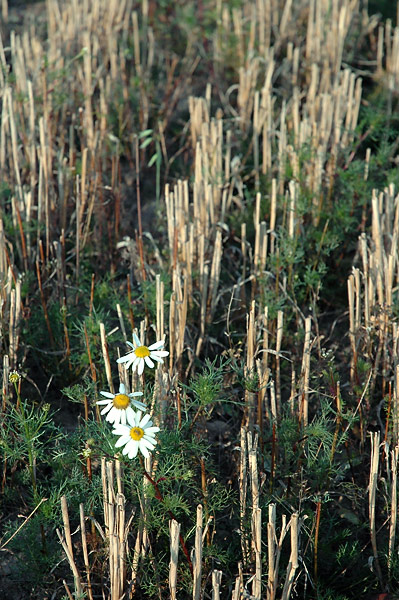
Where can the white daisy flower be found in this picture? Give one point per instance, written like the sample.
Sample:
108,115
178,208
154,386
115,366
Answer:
139,434
119,406
141,355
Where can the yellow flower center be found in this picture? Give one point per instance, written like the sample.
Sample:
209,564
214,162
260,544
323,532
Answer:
136,433
142,351
121,401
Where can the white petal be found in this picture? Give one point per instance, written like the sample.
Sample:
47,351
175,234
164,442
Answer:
127,447
144,450
123,417
131,419
106,409
155,353
139,405
129,362
124,439
128,413
154,357
147,443
112,416
136,362
149,362
122,389
133,449
135,394
131,345
121,430
104,402
151,430
156,346
133,360
107,394
140,367
145,420
136,340
124,359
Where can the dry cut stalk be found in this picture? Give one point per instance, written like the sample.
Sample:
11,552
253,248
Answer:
66,542
104,348
251,397
85,552
293,563
257,547
395,411
375,449
243,494
274,550
279,337
6,371
216,581
174,532
197,556
394,505
305,373
117,530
